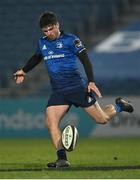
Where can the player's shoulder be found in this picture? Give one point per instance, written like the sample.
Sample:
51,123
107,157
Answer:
70,35
43,38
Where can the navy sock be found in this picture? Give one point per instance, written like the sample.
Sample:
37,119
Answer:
61,154
118,108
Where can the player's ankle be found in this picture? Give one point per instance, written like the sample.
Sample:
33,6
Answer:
61,154
118,108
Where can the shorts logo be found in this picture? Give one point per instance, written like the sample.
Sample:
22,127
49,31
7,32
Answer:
59,45
89,99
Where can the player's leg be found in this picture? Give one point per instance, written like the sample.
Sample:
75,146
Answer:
106,114
54,114
101,116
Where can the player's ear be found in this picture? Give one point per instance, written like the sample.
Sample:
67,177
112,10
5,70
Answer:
57,24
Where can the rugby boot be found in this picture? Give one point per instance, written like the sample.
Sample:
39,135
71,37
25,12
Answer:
125,105
60,163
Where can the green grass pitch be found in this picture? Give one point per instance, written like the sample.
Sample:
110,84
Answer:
109,158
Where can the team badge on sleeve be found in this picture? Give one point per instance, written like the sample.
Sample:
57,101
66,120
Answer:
77,43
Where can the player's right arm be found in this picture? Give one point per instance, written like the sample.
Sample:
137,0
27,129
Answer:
19,75
80,51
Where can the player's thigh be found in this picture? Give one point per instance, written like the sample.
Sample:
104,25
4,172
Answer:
96,112
55,113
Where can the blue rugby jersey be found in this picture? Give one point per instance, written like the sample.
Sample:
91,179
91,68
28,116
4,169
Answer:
60,60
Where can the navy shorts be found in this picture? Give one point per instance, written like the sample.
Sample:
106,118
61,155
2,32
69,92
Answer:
78,98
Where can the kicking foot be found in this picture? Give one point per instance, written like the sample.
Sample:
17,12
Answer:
59,163
125,105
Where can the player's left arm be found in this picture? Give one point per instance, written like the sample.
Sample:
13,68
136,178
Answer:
83,57
34,60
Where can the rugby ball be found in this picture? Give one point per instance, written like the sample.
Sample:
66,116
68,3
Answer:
69,137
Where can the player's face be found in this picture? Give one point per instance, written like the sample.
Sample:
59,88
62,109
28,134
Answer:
52,31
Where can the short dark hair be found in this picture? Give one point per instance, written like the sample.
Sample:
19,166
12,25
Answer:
47,18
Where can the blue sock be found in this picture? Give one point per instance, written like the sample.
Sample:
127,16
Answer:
61,154
118,108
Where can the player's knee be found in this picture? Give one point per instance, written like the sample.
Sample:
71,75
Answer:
48,124
51,126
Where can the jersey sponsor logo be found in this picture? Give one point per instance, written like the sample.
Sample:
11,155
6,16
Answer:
54,56
44,47
59,45
77,43
50,52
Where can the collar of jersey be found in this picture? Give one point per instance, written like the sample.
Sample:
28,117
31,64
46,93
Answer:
61,34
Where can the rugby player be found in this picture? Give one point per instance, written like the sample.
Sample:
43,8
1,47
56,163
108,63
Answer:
61,52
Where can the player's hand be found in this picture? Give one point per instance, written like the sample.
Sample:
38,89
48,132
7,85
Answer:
19,76
92,87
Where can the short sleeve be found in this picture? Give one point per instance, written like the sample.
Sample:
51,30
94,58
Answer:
76,44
